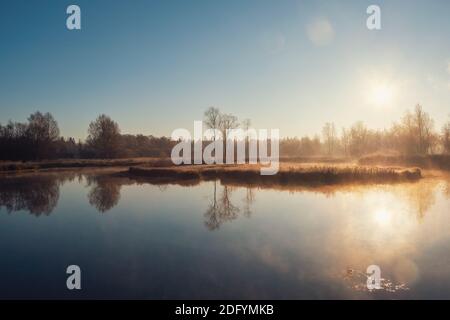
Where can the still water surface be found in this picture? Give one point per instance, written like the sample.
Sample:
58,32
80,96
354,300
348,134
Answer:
209,240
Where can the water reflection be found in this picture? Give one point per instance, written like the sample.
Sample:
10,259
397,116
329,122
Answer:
39,194
304,242
220,209
421,197
104,193
357,280
248,201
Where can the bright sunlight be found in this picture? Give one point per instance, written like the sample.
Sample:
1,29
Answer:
382,95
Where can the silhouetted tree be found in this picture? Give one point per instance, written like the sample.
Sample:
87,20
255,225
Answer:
44,132
104,137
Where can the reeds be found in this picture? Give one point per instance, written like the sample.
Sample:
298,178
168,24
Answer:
82,163
287,175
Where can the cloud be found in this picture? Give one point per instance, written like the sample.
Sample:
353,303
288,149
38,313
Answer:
320,31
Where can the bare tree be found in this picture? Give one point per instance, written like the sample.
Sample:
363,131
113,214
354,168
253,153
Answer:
104,137
246,124
329,137
212,118
358,138
424,127
415,133
227,122
446,138
345,141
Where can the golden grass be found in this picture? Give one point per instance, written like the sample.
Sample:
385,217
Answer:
13,166
288,174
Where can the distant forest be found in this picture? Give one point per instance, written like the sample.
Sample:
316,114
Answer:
39,139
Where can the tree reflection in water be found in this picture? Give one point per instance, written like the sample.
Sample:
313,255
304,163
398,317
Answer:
221,209
248,201
38,194
105,192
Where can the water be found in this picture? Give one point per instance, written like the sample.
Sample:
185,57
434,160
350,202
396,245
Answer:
142,240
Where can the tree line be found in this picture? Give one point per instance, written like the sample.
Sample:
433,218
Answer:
39,138
414,134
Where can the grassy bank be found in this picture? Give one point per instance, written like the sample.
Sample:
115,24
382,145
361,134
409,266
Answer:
287,175
9,166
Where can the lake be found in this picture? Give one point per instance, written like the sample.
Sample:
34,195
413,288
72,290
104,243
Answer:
149,240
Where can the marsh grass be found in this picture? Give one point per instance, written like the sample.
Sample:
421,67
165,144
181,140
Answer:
288,174
10,166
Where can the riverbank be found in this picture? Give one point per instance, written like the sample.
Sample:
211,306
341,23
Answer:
24,166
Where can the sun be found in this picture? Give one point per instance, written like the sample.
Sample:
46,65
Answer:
383,217
381,95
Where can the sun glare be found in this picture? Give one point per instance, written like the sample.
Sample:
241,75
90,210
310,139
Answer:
382,95
382,217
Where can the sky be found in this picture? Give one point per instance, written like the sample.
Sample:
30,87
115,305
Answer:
155,66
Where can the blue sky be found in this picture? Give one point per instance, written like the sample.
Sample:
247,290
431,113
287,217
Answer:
154,66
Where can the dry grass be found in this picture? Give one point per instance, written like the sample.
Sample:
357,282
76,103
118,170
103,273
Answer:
289,174
13,166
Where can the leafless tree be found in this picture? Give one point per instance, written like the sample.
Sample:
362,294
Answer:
329,137
246,124
446,137
212,118
424,127
227,122
358,138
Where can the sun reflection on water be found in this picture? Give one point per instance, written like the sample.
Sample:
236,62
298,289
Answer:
383,217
